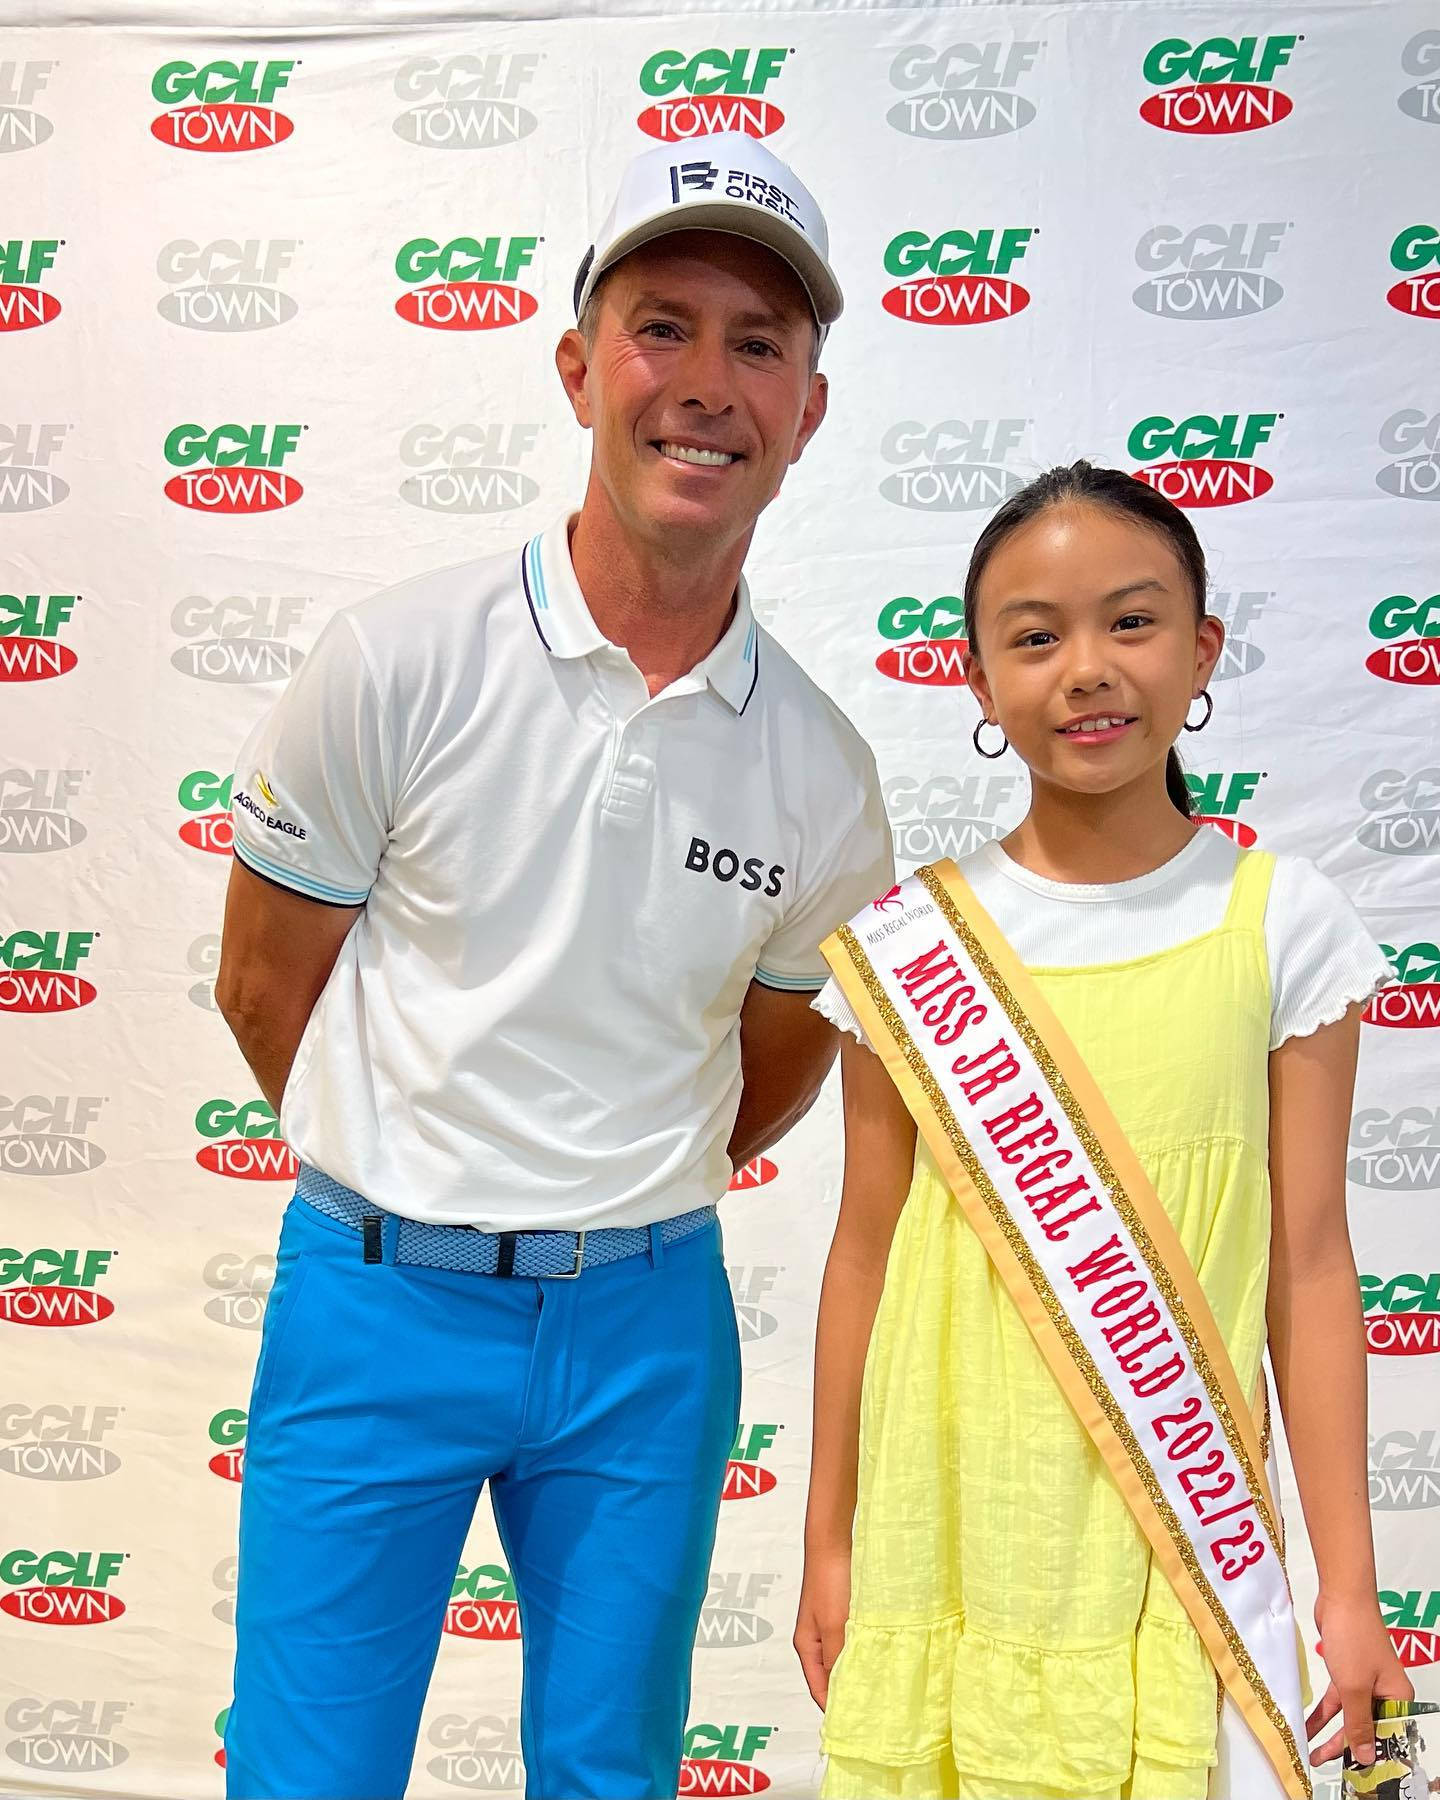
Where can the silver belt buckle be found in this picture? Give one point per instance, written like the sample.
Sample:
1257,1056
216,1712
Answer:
572,1274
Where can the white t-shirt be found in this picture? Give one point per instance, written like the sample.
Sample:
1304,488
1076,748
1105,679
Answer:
1322,959
568,887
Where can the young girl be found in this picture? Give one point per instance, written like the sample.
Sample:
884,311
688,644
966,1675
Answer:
1007,1629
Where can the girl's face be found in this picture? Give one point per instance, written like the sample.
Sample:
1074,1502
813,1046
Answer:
1088,651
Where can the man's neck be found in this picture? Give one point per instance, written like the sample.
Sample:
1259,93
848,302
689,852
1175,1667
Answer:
666,607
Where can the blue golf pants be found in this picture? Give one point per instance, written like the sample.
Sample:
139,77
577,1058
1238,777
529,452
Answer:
601,1412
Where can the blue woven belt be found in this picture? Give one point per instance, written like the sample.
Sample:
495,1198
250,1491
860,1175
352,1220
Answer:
529,1253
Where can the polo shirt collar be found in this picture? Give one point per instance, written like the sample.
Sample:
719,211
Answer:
566,628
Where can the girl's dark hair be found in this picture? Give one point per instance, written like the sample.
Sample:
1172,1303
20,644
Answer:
1117,492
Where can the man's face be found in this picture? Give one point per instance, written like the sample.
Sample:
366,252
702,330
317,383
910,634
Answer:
698,385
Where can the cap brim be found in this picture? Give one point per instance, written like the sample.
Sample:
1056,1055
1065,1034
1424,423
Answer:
734,219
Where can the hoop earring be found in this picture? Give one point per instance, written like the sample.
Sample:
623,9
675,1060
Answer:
1209,700
989,755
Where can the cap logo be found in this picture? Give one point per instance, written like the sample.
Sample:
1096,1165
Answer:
740,184
698,175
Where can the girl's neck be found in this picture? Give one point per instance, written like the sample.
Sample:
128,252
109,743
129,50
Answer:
1099,838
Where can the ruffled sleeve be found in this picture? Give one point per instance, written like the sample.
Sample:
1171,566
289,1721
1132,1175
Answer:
1322,958
833,1005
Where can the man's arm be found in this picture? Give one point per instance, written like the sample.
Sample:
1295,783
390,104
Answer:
276,955
786,1049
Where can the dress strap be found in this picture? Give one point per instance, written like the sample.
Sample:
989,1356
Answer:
1250,890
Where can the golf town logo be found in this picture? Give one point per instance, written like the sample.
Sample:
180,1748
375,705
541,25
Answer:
955,466
1409,630
226,285
1413,1003
73,1736
745,1476
1408,435
24,304
57,1443
1404,812
712,90
61,1587
21,127
1397,1153
963,91
731,1618
1209,272
470,284
1240,608
206,796
958,277
221,106
720,1760
226,1578
465,102
203,957
27,482
29,630
480,1752
37,970
1412,1619
238,467
750,1284
49,1134
53,1287
244,1142
1415,252
222,1718
923,644
1218,85
760,1171
1402,1314
1421,56
1218,798
35,810
946,815
469,468
1208,461
1404,1471
241,1288
482,1604
242,639
227,1430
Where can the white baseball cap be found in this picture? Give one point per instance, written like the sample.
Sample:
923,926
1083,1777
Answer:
728,182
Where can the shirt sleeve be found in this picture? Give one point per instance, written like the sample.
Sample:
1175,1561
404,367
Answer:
831,1004
860,865
314,785
1322,958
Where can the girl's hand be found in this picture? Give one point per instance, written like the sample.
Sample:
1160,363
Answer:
1363,1668
824,1608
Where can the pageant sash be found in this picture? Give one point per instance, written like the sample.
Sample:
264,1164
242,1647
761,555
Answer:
1044,1174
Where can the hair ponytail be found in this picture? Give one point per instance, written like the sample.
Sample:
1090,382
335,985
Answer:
1175,784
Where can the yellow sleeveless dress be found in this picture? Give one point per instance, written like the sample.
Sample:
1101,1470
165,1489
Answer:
1009,1637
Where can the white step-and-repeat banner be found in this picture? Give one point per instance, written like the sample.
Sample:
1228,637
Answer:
276,320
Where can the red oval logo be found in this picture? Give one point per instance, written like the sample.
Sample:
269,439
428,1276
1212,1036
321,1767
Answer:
1237,831
1403,1334
1417,296
1414,1649
1414,661
1413,1007
214,832
746,1481
494,1621
62,1606
672,121
250,1159
753,1174
1207,481
925,662
467,306
23,308
225,126
229,1465
233,490
58,1306
707,1775
956,300
40,991
1216,108
34,659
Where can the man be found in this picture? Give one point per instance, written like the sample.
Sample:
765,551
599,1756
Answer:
532,863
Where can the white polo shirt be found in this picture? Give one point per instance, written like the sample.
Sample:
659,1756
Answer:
568,888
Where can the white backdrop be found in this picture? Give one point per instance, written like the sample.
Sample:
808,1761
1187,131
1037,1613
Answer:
1198,241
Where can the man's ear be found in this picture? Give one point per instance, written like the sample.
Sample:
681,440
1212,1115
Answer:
572,359
817,402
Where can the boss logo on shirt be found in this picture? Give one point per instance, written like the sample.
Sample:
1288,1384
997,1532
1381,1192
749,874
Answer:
725,865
